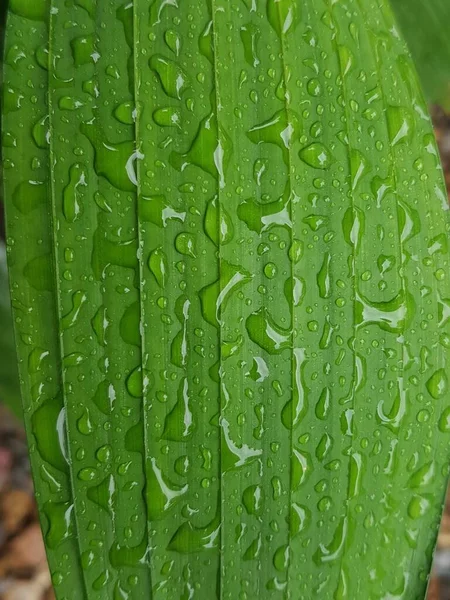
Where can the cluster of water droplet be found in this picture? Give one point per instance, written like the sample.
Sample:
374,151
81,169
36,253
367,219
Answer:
229,264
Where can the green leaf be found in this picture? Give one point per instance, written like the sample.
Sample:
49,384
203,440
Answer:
231,299
425,27
9,376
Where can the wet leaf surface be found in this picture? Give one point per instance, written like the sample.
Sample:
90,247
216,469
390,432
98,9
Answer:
227,234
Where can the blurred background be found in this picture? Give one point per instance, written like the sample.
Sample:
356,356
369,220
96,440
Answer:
23,569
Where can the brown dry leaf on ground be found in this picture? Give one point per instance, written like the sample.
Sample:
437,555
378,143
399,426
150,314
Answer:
24,573
29,590
441,122
49,595
24,553
16,507
433,590
444,534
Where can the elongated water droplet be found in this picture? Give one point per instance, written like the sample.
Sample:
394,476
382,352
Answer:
173,78
250,35
73,193
173,41
159,266
283,15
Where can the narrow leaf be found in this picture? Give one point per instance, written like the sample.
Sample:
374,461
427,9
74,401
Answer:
425,27
9,376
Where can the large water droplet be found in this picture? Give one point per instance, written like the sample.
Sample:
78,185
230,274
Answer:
316,155
173,78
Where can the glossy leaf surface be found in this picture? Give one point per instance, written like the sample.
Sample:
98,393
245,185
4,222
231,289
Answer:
9,376
228,240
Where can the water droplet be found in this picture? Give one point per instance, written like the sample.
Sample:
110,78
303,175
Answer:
69,319
159,265
301,468
346,59
444,420
214,297
74,359
218,224
185,243
314,88
105,397
167,117
316,155
250,35
333,551
60,516
179,422
296,250
28,195
400,124
205,42
437,385
37,10
180,347
41,132
69,103
261,217
282,129
394,315
188,538
84,423
73,193
113,161
324,447
385,263
266,333
210,150
173,41
316,222
323,404
138,382
173,78
126,113
157,210
162,493
130,329
419,506
270,270
84,50
104,494
423,476
253,500
359,167
12,99
88,5
283,15
324,277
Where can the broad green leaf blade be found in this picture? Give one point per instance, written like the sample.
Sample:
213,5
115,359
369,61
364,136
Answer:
9,376
425,27
27,199
241,313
